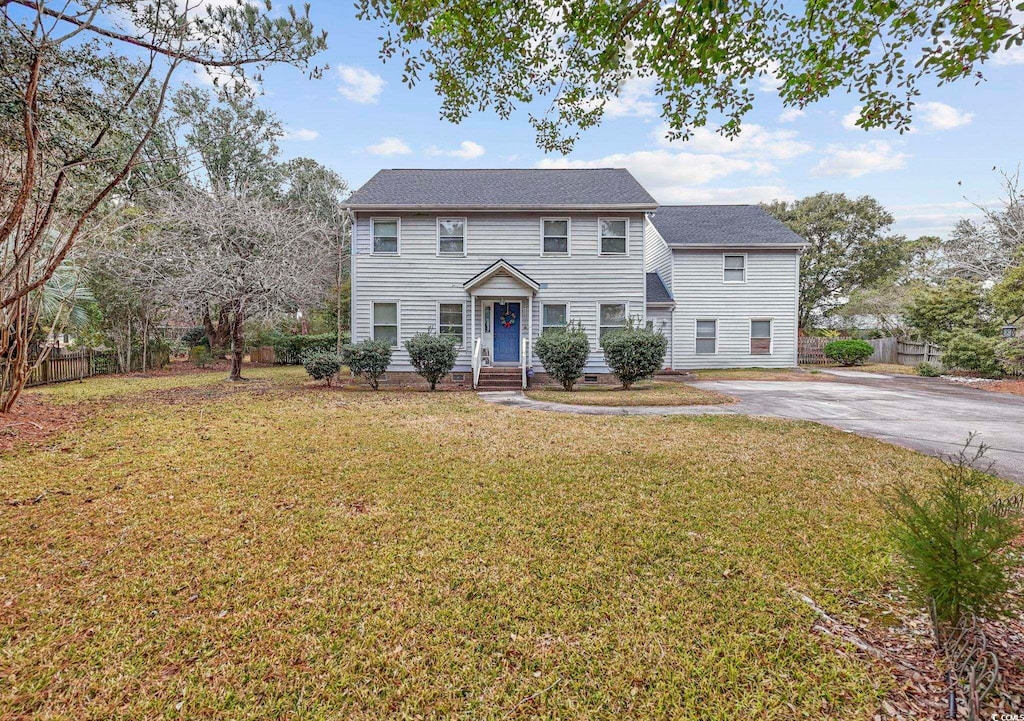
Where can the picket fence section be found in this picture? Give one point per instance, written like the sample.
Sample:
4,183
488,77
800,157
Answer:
63,366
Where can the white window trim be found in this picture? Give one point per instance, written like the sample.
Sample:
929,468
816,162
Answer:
568,238
600,250
398,319
718,328
734,282
568,312
465,236
771,335
398,244
437,316
597,318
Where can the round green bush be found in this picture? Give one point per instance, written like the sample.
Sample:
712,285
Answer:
369,358
928,370
433,356
634,353
1010,355
563,353
322,365
199,355
848,352
970,351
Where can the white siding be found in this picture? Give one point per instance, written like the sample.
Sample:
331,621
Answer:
657,256
770,292
420,279
661,320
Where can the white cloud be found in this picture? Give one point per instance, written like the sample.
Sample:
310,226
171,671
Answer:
675,177
851,118
389,146
753,140
790,114
634,100
467,150
359,84
300,134
1010,56
940,116
222,78
853,162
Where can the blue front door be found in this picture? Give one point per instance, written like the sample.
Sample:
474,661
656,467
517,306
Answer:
507,320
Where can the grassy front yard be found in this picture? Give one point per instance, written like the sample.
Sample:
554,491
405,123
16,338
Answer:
275,548
665,393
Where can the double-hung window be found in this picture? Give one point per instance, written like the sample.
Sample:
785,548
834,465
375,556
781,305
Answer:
555,236
451,320
611,316
613,236
707,337
385,235
451,236
735,268
554,316
385,323
761,337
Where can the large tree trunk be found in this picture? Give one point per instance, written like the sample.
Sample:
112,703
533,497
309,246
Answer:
237,345
219,335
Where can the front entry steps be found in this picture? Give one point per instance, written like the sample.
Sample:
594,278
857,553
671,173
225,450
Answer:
500,379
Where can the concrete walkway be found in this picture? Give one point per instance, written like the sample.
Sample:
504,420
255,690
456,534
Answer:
929,415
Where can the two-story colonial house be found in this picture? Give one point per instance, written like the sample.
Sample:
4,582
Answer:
496,257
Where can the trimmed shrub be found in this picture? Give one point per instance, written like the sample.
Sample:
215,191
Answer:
954,542
970,351
369,359
634,353
1010,355
433,356
199,355
564,353
322,365
928,370
848,352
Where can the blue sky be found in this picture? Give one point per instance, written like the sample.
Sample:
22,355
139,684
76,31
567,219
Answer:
360,118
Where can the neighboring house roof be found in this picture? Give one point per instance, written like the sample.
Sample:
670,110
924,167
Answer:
503,189
657,293
746,226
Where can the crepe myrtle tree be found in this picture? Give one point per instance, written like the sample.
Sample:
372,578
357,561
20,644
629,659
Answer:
698,62
252,255
83,88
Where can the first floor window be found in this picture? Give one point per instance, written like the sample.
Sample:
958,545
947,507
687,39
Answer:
735,268
556,315
761,337
556,237
612,316
450,320
385,235
613,237
451,236
707,336
385,322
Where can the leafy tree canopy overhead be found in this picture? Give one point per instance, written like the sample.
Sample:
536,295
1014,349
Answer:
703,56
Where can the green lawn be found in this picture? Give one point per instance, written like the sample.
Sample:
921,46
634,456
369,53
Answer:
668,393
278,549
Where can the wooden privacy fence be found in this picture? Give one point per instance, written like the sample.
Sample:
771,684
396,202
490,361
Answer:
262,354
900,351
62,366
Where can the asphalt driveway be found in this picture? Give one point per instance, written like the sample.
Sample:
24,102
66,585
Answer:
929,415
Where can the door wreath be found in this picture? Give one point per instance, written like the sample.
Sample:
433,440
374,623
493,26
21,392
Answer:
508,318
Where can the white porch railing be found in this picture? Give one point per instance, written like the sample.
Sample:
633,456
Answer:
525,358
478,360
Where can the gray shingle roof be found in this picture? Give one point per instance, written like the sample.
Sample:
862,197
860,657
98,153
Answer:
510,188
656,290
721,225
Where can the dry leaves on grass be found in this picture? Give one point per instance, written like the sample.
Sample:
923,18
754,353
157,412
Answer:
33,420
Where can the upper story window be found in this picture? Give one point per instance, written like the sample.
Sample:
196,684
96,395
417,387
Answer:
451,236
555,232
613,236
735,269
385,235
611,316
555,315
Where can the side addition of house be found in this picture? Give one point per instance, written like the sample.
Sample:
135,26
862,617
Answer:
496,257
